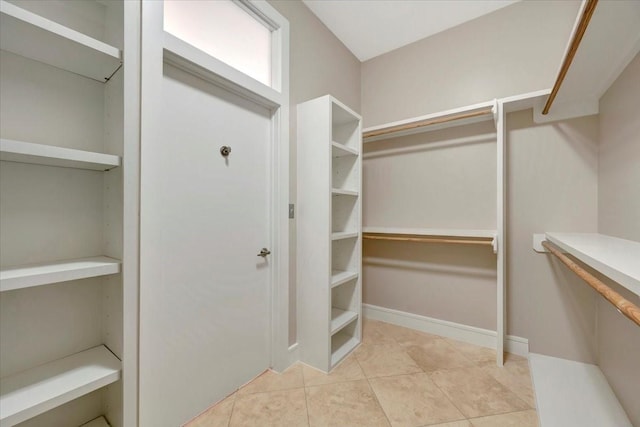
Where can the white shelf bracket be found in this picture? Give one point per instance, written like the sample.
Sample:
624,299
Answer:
494,244
494,111
537,243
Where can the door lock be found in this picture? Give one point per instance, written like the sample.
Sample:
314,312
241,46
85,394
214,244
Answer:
264,252
225,150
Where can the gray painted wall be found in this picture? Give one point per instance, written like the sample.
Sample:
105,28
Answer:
320,64
514,50
618,340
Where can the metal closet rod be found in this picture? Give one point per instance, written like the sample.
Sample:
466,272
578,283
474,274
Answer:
427,122
623,305
414,238
571,53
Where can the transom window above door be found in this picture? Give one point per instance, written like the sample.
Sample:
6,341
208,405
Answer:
225,29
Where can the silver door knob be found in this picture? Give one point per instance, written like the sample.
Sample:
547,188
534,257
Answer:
264,252
225,150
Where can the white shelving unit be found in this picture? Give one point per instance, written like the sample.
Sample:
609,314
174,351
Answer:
61,271
64,105
329,237
49,155
619,259
32,392
36,37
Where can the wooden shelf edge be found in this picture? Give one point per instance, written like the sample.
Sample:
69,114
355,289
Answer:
20,277
50,155
30,393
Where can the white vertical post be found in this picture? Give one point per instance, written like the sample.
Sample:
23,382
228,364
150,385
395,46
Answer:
501,232
131,211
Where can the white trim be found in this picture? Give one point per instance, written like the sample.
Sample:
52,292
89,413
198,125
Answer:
587,106
501,265
457,331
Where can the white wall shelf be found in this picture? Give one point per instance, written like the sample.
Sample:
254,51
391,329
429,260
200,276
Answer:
344,235
37,390
618,259
339,277
98,422
489,234
27,34
55,272
340,319
340,192
441,120
50,155
340,150
35,37
574,394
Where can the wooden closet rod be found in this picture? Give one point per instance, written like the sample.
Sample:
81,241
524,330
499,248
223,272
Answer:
427,122
427,239
573,48
625,306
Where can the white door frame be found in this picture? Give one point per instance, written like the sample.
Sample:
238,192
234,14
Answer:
158,47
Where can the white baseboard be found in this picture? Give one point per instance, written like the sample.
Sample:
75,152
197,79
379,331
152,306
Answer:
456,331
294,353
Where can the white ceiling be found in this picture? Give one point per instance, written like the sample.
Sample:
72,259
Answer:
372,27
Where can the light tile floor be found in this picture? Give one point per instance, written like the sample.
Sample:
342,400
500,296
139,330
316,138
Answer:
398,377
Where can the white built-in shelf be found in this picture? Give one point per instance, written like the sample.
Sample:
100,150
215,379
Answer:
441,120
29,393
54,272
98,422
50,155
340,192
341,318
33,36
341,344
341,150
574,394
339,277
489,234
344,235
618,259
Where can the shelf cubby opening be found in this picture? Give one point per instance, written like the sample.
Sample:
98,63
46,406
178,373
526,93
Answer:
344,213
345,173
344,254
343,342
345,128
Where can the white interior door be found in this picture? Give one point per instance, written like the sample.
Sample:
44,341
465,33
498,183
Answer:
205,293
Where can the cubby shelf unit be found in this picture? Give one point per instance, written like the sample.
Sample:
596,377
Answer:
37,390
55,272
33,36
50,155
329,237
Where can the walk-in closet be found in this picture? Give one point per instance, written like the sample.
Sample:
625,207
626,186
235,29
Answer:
310,213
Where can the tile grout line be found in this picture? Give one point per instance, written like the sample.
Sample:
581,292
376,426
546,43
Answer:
233,406
375,396
306,401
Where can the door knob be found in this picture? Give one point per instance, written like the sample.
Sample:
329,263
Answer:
264,252
225,150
